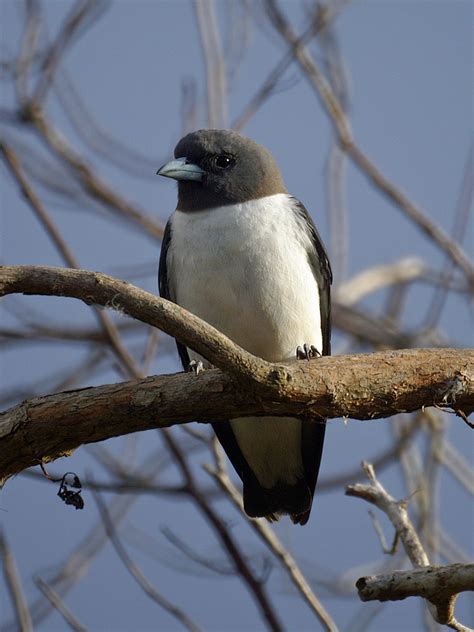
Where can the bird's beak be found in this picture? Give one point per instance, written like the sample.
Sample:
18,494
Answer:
180,169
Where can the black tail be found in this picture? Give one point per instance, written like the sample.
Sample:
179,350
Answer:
260,502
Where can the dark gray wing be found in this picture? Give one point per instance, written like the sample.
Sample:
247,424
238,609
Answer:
313,433
319,261
164,286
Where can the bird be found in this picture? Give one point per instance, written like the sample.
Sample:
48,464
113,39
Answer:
245,256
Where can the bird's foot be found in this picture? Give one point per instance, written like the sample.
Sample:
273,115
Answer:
195,366
306,352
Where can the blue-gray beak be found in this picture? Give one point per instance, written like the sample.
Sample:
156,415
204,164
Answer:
180,169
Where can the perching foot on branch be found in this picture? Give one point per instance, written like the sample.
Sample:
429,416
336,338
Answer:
306,352
195,366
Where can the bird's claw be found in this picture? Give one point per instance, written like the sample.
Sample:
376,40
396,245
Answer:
306,352
195,366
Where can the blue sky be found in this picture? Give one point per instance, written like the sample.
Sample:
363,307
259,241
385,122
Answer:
409,65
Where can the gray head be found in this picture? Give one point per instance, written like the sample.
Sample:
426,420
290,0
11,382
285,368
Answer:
217,167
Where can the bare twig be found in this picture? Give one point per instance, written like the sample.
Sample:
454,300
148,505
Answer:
272,542
376,278
39,210
27,50
323,16
439,586
72,22
457,465
56,601
406,436
137,574
91,183
461,216
228,542
12,580
397,512
336,162
342,127
214,63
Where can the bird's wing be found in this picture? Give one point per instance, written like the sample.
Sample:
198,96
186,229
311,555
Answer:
319,261
313,433
165,286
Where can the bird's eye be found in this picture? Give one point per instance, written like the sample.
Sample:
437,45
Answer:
223,161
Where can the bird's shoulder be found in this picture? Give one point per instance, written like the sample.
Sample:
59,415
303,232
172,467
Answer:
317,252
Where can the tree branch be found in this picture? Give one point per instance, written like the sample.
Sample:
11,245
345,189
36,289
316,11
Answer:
440,586
434,583
364,386
100,289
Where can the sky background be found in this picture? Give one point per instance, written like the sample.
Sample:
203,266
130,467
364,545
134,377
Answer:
410,70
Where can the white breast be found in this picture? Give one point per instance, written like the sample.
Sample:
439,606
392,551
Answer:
244,269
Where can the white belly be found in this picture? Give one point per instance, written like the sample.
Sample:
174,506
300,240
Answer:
245,270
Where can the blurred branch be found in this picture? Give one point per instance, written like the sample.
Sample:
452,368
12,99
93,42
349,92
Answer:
100,289
202,560
20,606
59,605
30,111
407,434
322,17
76,565
378,277
27,50
126,487
44,333
91,183
77,14
336,161
377,331
96,138
457,465
440,586
272,542
228,542
65,252
214,63
137,574
336,113
459,231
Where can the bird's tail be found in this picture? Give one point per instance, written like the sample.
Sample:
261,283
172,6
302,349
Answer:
295,500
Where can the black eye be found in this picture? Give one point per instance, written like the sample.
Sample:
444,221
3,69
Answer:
223,161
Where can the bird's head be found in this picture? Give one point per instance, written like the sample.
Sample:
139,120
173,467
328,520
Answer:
219,167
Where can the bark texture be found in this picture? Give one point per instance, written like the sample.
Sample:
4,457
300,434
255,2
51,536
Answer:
365,386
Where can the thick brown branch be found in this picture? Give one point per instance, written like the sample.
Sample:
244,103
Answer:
363,386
